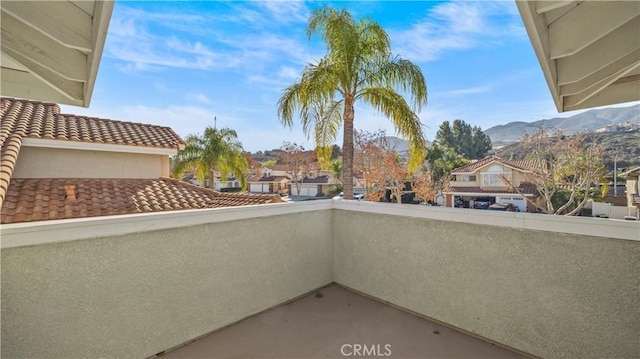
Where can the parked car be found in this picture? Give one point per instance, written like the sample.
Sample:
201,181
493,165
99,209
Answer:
356,196
482,203
509,207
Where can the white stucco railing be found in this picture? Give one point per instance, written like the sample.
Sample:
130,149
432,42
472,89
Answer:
550,286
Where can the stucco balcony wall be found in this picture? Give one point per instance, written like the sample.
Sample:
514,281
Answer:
135,285
134,295
550,294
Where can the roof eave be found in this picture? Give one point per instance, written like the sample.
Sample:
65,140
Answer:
588,50
44,57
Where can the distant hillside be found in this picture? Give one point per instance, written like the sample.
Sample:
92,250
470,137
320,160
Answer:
625,146
588,120
399,144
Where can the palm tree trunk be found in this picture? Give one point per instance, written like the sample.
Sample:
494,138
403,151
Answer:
347,149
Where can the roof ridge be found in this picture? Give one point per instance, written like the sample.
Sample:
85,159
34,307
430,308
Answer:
48,103
112,120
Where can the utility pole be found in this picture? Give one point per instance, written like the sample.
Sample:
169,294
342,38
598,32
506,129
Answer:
617,156
615,176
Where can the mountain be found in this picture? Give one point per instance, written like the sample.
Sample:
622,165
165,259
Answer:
399,144
624,147
588,120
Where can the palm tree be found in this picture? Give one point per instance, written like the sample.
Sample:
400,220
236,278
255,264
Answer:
217,150
357,66
336,168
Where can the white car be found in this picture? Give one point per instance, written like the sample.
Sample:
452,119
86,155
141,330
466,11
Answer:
356,196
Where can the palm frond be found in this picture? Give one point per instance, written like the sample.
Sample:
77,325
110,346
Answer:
407,124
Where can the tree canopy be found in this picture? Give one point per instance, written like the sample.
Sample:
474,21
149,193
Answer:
358,66
216,150
469,142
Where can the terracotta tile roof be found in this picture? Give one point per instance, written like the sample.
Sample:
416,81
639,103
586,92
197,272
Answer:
48,199
524,165
21,119
8,159
34,119
525,188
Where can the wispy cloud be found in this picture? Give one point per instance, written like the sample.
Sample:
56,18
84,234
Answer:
146,40
285,11
138,39
457,26
199,97
466,91
258,14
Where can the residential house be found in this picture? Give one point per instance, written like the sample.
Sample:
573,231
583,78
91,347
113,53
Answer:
491,179
61,166
315,186
269,180
230,184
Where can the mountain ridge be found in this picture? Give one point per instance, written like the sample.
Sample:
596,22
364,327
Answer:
584,121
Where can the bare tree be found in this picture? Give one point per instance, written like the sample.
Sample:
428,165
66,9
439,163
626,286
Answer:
424,186
293,156
379,164
563,169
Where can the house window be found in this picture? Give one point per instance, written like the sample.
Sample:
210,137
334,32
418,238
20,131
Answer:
495,177
467,178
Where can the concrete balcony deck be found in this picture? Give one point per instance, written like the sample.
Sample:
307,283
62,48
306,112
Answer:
334,322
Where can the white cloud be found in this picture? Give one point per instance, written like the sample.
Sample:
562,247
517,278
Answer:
133,38
285,11
288,72
200,97
466,91
456,26
147,41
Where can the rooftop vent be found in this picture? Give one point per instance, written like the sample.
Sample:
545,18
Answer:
70,194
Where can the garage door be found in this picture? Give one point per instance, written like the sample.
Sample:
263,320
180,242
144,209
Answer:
310,191
515,200
304,191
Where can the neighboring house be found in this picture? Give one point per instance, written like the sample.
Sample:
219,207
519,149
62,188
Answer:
484,180
633,191
269,181
317,186
60,166
231,184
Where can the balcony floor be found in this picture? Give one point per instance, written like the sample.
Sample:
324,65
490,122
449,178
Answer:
313,327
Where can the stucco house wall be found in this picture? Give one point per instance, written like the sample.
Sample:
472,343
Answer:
40,162
516,175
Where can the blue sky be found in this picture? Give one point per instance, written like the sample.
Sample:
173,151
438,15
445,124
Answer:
180,64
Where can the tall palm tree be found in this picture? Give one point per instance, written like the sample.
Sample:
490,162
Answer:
358,66
216,150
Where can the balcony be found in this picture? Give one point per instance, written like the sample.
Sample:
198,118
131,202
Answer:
139,285
495,179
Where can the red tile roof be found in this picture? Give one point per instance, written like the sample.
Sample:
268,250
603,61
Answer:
52,198
525,188
21,119
523,165
34,119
